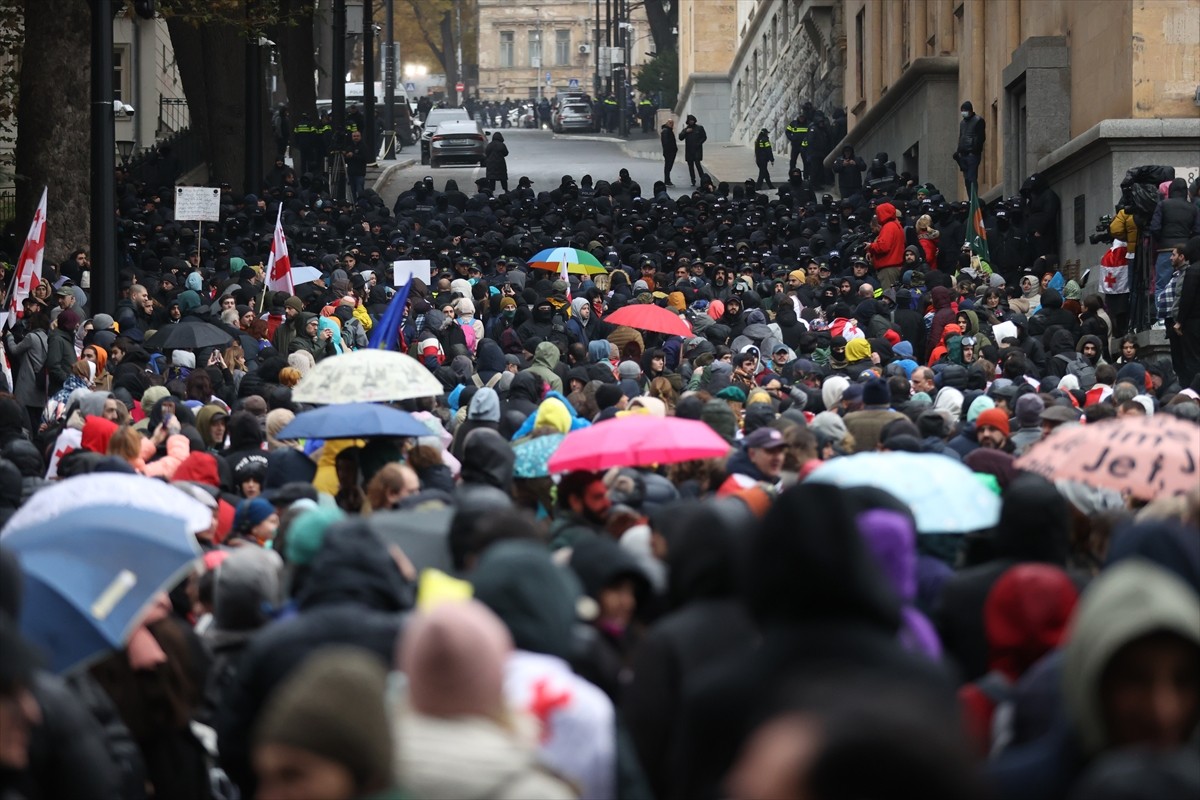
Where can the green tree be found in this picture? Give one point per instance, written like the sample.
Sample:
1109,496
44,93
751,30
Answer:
660,77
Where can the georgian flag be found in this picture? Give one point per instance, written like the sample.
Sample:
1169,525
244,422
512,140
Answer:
279,265
566,278
29,265
1114,267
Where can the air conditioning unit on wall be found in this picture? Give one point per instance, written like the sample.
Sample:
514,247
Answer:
584,49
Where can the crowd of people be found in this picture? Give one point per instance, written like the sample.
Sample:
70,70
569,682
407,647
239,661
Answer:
721,627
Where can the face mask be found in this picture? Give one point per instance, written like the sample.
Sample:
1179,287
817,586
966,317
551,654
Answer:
509,313
965,114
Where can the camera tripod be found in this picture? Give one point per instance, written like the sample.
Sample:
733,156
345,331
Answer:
337,175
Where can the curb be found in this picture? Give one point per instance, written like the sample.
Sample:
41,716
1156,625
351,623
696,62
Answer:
390,169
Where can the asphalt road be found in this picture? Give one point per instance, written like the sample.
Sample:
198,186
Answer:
544,158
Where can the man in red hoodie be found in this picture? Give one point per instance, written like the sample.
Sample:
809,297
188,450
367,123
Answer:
887,251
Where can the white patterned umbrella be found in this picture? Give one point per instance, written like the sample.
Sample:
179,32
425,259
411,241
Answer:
366,376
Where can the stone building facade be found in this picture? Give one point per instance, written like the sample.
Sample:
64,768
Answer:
1078,90
750,64
511,35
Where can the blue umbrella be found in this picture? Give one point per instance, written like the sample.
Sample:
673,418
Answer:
89,575
533,454
352,421
944,495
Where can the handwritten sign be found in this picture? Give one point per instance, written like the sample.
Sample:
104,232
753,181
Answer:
200,203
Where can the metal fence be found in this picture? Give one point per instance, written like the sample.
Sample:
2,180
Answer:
158,167
8,207
173,115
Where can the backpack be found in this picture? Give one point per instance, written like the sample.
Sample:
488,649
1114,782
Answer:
1078,366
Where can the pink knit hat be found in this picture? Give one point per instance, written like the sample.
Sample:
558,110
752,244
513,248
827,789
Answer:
454,658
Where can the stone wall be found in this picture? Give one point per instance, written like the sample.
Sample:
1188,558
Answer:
807,66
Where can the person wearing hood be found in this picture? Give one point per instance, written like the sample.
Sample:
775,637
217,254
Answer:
537,601
495,161
310,337
1025,617
579,323
892,542
1034,522
1052,313
706,623
1129,682
482,412
826,615
545,359
353,595
1175,221
456,735
487,459
887,250
943,315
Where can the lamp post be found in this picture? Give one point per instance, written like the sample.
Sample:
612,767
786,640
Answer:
125,150
537,67
103,216
338,93
368,50
389,81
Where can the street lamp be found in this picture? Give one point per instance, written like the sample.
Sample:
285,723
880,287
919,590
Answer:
125,150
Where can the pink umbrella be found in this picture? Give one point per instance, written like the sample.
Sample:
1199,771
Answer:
637,440
649,317
1146,457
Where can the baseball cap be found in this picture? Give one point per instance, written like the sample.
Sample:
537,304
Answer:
764,439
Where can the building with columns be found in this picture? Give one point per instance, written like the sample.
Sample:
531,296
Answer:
520,44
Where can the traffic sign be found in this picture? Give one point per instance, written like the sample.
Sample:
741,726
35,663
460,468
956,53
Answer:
573,83
548,81
410,87
458,87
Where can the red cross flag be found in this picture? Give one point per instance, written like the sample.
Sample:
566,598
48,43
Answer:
279,265
566,278
29,265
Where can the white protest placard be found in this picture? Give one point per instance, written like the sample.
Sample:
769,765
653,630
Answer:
200,203
1004,330
403,271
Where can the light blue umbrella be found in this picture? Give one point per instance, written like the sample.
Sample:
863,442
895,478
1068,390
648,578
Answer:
944,495
533,454
89,575
352,421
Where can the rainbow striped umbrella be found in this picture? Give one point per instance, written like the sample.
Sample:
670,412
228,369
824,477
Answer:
579,262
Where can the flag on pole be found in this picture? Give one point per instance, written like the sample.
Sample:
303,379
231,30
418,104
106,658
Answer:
977,233
386,335
279,265
29,265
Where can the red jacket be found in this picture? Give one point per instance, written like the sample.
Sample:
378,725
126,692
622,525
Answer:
888,248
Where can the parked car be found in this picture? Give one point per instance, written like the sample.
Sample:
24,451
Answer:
436,117
573,117
457,140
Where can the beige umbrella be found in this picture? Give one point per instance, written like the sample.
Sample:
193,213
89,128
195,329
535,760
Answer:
366,376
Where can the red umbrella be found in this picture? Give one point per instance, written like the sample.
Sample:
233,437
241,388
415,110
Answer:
649,317
636,440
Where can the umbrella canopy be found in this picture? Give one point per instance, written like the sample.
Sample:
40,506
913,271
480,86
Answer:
189,334
579,262
944,495
352,421
109,489
533,454
89,575
423,535
1145,457
302,275
636,440
649,317
366,376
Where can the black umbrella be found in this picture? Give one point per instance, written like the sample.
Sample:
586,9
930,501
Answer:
188,335
423,535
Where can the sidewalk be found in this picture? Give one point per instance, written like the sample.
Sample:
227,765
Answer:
724,161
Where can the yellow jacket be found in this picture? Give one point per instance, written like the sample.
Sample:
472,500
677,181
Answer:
1124,228
360,313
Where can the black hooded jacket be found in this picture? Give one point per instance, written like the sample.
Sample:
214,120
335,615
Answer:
825,612
353,595
1033,527
708,622
488,458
